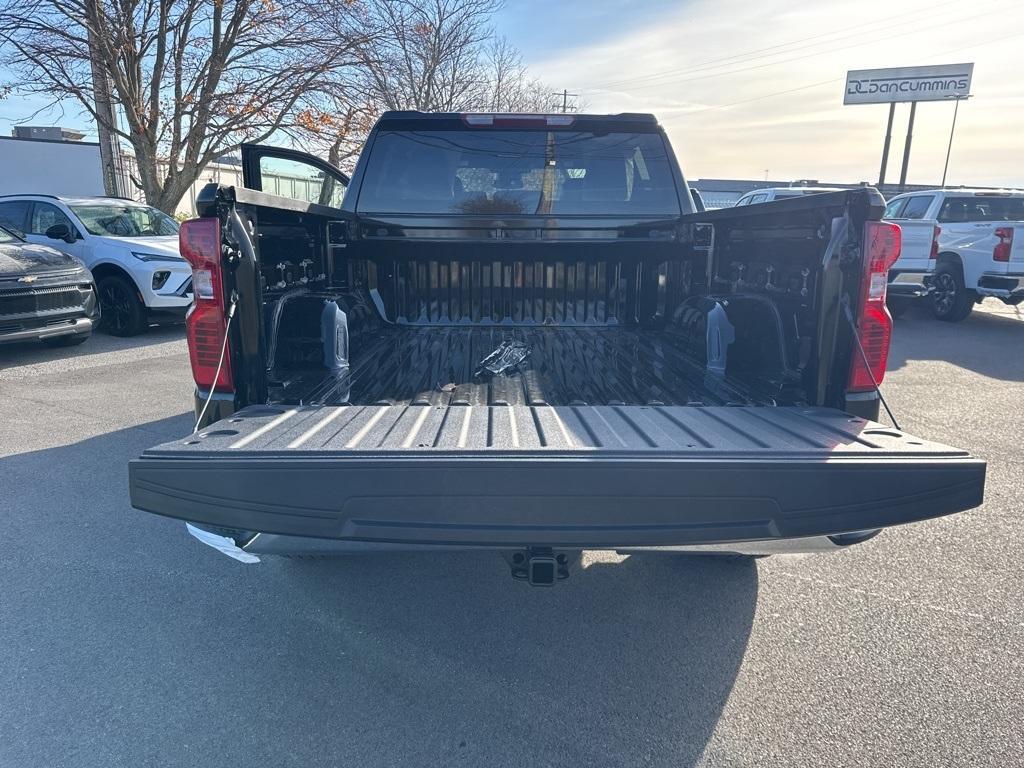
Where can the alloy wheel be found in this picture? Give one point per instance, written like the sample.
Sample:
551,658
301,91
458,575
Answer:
115,304
945,293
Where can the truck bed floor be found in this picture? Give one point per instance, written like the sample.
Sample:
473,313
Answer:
409,365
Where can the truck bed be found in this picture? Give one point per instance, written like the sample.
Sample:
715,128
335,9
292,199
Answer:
572,476
431,365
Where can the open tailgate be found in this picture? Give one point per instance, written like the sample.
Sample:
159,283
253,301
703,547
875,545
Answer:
575,476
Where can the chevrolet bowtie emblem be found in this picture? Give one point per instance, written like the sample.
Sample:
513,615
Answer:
27,279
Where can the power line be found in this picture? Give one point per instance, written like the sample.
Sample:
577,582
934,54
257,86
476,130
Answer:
766,96
757,53
808,56
841,79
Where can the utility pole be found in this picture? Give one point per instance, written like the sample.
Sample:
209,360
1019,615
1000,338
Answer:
110,150
565,99
949,147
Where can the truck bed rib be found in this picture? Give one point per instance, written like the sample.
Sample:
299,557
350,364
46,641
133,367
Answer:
435,365
767,432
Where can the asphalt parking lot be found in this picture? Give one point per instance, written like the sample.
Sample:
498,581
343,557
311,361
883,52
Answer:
124,642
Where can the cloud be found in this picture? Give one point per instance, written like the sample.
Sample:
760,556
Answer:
708,70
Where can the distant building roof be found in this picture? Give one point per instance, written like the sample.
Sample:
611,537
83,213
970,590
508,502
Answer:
47,132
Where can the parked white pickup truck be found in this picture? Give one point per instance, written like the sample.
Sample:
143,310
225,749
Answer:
979,248
912,276
770,194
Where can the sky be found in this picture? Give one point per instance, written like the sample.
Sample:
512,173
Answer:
744,89
747,89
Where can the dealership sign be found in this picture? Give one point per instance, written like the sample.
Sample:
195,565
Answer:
883,86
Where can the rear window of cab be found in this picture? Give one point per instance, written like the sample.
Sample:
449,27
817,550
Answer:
518,172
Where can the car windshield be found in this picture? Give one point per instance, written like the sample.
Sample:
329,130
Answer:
117,220
519,172
8,237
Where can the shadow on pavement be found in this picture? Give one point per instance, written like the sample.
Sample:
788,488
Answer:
986,342
127,641
29,352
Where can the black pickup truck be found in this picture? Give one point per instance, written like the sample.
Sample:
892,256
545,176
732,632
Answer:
515,332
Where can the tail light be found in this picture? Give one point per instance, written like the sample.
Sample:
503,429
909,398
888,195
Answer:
199,241
1002,250
882,243
935,242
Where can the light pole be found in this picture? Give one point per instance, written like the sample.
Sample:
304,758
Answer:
949,148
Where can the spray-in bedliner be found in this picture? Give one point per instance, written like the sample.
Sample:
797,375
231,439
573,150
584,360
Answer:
437,365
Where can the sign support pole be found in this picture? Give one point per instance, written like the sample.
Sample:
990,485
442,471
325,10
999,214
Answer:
885,147
906,147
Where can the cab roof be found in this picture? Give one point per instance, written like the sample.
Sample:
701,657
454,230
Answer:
470,121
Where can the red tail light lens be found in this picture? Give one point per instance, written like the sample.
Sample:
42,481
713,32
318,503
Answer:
199,241
935,242
1002,250
882,243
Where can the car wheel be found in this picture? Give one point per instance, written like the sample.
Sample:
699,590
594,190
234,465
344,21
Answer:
898,305
67,341
122,312
951,301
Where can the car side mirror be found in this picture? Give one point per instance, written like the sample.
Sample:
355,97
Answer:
61,232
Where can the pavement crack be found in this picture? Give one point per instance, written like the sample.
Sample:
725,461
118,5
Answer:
902,600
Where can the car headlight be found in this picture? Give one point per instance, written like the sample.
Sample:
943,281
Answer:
156,257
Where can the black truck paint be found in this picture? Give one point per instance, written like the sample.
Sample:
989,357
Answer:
614,432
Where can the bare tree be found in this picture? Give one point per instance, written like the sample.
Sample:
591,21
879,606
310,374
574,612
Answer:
508,85
193,78
430,55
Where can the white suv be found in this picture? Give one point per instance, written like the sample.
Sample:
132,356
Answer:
131,248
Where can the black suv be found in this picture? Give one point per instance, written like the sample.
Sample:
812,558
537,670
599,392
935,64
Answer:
44,294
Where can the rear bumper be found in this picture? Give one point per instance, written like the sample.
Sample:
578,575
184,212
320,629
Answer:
909,283
222,405
1009,287
274,544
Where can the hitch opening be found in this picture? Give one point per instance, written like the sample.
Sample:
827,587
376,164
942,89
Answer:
540,567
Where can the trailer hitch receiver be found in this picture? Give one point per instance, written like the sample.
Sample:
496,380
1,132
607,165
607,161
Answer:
540,567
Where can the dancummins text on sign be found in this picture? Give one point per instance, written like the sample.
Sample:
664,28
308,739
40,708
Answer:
883,86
